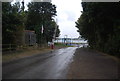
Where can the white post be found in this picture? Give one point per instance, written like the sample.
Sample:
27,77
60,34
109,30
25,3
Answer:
55,32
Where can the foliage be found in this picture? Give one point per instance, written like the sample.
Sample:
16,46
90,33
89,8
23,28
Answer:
15,21
40,14
100,25
11,22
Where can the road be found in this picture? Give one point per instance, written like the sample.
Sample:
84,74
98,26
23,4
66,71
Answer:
43,66
65,63
91,64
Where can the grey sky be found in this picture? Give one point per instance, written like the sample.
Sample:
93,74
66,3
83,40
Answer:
68,11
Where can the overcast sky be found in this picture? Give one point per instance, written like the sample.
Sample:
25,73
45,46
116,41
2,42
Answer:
68,11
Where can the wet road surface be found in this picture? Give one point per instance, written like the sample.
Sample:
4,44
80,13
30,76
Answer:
90,64
53,65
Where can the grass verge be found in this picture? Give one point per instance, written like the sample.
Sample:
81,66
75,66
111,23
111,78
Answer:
23,53
28,52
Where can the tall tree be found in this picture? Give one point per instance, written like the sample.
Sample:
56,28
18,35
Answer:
41,14
12,26
100,25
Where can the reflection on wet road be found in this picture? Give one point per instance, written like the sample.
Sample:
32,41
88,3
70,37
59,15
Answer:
52,65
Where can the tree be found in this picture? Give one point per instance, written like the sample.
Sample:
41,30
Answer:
12,26
100,25
41,14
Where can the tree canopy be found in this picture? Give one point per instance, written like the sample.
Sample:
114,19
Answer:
41,14
100,25
11,22
15,20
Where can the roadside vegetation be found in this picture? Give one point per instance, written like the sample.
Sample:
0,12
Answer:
29,51
100,25
62,45
38,18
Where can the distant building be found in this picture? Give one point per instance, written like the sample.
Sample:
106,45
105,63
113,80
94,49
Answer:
30,37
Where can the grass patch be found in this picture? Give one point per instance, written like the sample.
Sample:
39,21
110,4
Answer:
29,51
62,44
23,53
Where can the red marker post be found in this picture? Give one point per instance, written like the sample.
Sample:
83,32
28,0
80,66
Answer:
52,45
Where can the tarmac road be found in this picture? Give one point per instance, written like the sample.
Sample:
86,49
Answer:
90,64
52,65
65,63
